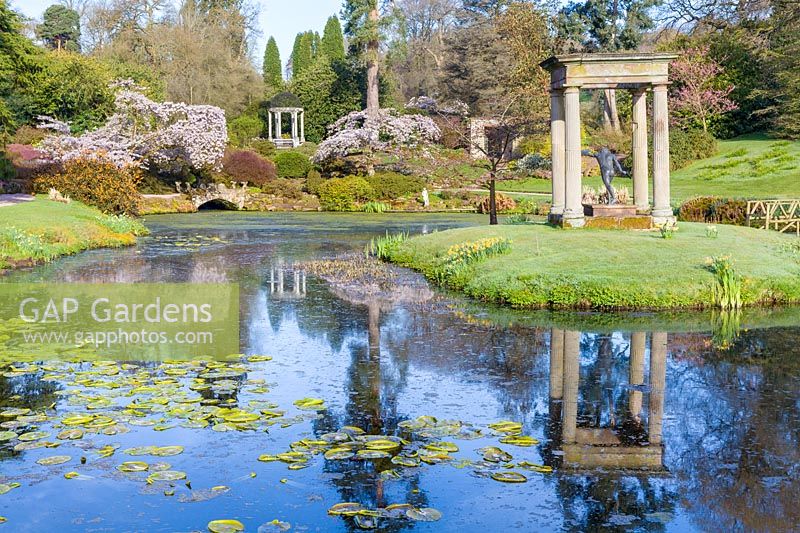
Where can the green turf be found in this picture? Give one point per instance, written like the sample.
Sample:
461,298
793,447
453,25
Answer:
41,230
751,166
551,267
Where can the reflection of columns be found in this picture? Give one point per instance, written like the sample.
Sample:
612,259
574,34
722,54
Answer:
374,328
640,163
280,281
658,378
572,366
573,209
638,343
557,141
296,284
269,123
662,211
556,364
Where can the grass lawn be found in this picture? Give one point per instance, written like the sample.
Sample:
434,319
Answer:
551,267
41,230
751,166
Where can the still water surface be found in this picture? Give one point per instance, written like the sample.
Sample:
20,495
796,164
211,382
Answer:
648,423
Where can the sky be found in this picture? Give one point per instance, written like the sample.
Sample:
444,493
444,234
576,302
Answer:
283,19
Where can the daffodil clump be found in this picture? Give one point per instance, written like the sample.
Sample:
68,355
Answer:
460,256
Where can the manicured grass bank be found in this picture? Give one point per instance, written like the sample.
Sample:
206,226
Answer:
41,230
551,267
751,166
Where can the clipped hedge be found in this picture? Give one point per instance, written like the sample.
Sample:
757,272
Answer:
713,209
292,164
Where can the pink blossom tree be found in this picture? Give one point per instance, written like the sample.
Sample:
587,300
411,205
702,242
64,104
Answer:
698,94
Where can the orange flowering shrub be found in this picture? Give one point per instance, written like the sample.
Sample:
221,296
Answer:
96,182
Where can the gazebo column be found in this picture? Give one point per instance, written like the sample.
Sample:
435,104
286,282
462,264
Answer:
294,128
573,209
658,375
640,164
302,127
278,125
557,140
269,124
662,211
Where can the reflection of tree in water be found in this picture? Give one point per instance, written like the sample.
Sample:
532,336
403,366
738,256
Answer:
738,454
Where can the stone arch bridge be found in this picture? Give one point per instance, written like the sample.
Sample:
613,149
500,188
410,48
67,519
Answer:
230,197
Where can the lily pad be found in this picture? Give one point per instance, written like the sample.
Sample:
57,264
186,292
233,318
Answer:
7,435
133,466
167,475
346,509
425,514
509,477
519,440
33,435
225,526
54,460
167,451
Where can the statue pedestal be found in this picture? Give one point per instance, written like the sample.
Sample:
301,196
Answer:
605,210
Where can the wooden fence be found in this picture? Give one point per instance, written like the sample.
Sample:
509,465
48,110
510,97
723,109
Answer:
779,215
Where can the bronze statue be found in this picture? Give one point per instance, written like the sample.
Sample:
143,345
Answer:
609,167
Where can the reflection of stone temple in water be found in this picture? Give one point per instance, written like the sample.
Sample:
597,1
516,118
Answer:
287,283
592,428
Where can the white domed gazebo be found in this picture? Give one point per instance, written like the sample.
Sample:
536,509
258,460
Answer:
286,104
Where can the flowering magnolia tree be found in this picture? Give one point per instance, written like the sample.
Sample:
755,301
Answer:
431,105
162,137
358,133
698,94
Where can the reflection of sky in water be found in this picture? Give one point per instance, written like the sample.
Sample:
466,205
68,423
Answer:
730,420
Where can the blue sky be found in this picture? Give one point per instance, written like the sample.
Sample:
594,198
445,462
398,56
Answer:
283,19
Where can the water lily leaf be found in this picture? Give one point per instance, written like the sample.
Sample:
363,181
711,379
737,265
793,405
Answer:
519,440
267,458
506,426
167,451
71,475
70,434
239,417
346,509
6,487
13,412
397,510
33,435
54,460
259,358
140,450
405,461
442,447
494,454
33,445
335,454
509,477
225,526
310,404
382,444
167,475
425,514
7,435
544,469
133,466
275,525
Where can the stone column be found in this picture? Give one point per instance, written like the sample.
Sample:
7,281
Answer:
662,212
269,123
556,363
640,163
658,378
294,127
573,209
278,125
557,140
572,367
638,347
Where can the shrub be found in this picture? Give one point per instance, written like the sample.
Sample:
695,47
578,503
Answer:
688,146
342,194
28,135
533,162
713,209
503,203
244,128
244,165
262,147
292,165
283,188
7,170
375,207
96,182
393,185
313,181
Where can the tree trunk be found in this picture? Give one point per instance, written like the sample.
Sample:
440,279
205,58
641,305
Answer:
373,53
610,113
492,202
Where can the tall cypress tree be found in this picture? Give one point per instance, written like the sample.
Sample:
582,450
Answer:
273,70
303,53
332,44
